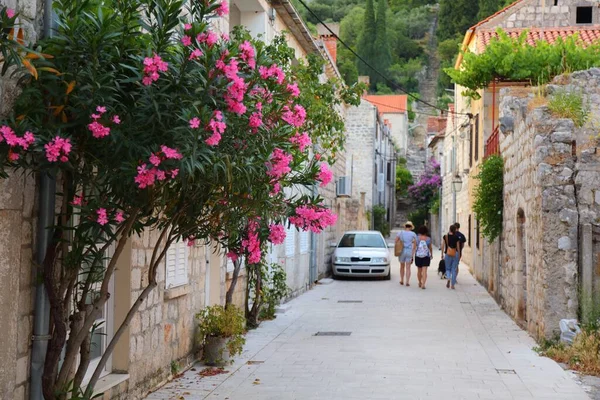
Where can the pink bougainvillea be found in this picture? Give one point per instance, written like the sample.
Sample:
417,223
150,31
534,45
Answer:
279,164
313,218
277,233
302,140
325,175
58,148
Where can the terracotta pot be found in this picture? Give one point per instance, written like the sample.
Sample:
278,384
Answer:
216,352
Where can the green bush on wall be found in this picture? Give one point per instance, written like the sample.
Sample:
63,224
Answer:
379,220
489,201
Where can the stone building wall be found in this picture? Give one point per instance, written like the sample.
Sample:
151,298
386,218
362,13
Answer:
542,13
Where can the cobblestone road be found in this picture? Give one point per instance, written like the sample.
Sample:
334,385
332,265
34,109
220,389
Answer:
405,343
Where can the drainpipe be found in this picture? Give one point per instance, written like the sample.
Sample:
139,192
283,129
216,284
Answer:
41,321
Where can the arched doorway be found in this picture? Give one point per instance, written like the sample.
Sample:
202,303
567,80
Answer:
521,268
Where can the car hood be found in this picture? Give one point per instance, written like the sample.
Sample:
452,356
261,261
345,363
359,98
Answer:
361,252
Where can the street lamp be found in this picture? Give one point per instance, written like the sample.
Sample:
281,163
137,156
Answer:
456,183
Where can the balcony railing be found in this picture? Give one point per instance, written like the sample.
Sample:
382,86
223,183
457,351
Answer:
492,146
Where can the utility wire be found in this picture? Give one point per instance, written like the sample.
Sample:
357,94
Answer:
392,83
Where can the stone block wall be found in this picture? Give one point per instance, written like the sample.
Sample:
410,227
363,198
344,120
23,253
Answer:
360,127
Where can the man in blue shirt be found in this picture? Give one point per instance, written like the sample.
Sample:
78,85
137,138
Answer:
461,240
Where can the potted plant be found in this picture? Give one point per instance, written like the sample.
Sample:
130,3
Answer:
221,332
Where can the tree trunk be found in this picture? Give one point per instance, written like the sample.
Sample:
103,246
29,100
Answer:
237,266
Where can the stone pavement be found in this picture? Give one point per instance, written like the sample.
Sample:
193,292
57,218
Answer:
405,343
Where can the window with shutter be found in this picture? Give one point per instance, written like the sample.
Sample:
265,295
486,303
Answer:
304,241
177,265
290,241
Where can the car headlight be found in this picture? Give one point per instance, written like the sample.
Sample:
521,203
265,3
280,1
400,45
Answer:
342,259
379,260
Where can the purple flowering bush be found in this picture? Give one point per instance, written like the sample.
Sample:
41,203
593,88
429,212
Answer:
426,188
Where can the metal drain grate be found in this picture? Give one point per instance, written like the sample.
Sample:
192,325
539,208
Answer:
506,371
333,333
350,301
253,362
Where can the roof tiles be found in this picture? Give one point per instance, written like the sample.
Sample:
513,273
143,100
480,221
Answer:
587,35
396,103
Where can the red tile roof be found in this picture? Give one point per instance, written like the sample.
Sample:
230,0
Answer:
508,7
392,103
436,124
587,35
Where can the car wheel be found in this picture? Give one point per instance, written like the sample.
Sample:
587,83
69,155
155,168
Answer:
334,276
389,276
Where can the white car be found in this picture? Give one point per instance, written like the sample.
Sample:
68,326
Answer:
362,254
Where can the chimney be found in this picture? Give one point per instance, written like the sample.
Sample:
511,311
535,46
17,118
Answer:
329,40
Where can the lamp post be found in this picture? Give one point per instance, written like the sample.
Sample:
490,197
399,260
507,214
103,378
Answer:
456,187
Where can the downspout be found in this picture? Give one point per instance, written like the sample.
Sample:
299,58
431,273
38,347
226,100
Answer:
41,321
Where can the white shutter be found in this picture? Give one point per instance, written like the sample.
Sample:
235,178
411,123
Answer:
304,240
290,241
177,265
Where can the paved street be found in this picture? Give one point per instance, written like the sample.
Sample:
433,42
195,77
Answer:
405,343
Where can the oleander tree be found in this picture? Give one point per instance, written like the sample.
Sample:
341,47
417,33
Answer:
150,120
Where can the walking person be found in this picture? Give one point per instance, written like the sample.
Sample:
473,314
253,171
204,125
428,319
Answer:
409,241
461,240
423,255
452,255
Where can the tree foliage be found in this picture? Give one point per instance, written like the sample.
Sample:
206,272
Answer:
489,200
513,59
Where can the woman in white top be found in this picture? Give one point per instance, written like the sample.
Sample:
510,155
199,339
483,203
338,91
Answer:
409,239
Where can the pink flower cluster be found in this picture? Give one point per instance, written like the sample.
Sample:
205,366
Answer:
313,218
58,148
152,66
279,164
272,71
252,243
10,12
325,175
294,117
217,126
210,38
255,121
147,176
223,8
102,215
277,233
8,135
98,130
302,140
248,54
293,89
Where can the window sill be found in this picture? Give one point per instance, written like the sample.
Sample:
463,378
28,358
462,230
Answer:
176,292
109,381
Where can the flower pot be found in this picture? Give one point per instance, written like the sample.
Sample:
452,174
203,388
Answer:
216,352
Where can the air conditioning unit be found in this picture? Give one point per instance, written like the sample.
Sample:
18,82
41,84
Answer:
343,187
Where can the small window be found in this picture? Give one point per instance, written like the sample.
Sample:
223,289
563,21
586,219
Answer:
290,241
177,265
584,15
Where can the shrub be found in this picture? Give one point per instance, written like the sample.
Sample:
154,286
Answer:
223,322
570,105
583,355
274,290
419,217
404,179
379,220
489,201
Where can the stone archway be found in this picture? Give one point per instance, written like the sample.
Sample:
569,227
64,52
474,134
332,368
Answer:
521,268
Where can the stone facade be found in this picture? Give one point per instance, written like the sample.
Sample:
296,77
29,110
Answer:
542,14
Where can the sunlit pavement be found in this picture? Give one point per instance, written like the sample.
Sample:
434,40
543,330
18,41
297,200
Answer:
404,343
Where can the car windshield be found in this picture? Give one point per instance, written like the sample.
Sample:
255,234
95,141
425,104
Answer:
362,240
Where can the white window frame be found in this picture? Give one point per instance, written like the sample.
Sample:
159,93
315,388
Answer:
177,265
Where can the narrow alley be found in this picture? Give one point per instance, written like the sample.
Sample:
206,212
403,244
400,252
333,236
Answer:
398,343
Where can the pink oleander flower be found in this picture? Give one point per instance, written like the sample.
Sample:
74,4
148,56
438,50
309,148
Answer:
293,89
145,177
58,148
232,256
12,156
313,218
174,172
152,65
154,160
171,153
277,233
160,175
213,140
325,175
248,54
272,71
302,140
223,8
187,27
186,41
102,218
317,157
296,117
119,217
98,130
101,109
116,119
276,189
255,121
210,38
279,164
190,241
225,36
195,123
196,53
252,243
10,13
77,200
